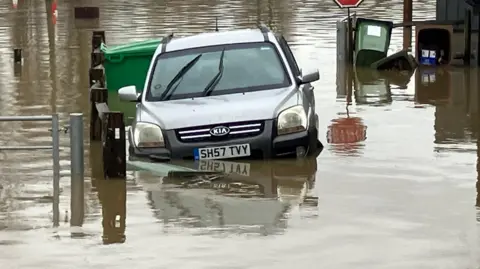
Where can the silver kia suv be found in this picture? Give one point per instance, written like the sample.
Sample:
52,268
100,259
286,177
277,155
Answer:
221,95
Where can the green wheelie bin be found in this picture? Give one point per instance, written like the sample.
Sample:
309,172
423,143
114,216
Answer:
127,65
372,39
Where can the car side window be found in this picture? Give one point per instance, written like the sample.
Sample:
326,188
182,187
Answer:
290,57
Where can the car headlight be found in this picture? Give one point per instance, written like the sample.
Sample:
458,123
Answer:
148,135
292,120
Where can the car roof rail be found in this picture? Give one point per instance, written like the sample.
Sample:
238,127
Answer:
165,41
264,29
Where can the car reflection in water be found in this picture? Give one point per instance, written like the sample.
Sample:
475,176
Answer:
248,197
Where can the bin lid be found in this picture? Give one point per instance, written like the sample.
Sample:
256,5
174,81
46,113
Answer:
401,61
364,22
145,47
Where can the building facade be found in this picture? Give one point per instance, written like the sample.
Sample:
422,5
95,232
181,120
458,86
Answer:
452,10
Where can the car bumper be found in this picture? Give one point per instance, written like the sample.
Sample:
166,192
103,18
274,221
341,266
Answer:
264,145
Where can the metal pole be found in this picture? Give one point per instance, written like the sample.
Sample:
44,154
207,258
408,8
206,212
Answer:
56,169
350,38
478,179
342,57
478,137
467,32
26,118
478,41
407,19
350,76
77,169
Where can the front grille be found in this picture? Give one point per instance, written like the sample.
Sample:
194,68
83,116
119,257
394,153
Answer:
237,130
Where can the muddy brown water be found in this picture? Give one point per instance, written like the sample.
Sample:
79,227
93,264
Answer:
393,188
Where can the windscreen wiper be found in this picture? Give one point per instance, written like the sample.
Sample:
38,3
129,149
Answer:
211,85
166,95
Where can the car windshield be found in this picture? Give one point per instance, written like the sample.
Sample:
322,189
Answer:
246,67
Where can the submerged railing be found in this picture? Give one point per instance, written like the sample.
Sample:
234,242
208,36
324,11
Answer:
76,157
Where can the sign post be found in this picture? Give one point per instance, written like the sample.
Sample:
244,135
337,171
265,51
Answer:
349,4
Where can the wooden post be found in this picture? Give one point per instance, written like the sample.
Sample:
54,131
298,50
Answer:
478,173
478,41
467,84
478,141
96,58
97,38
17,70
17,55
468,37
97,96
114,148
112,194
96,76
407,19
96,158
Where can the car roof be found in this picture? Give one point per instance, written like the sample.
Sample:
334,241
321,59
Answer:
214,38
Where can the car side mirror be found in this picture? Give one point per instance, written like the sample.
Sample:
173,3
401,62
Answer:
128,94
308,76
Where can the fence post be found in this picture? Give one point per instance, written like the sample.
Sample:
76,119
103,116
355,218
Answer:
77,169
17,55
112,194
97,57
467,32
96,77
114,148
97,95
97,38
56,169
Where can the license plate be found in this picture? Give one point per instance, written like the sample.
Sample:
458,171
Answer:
242,169
225,152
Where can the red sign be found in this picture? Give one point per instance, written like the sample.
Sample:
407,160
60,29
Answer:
348,3
54,12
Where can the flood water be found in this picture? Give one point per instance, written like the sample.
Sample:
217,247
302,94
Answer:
395,186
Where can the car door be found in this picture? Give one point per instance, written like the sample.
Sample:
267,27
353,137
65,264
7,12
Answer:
307,89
